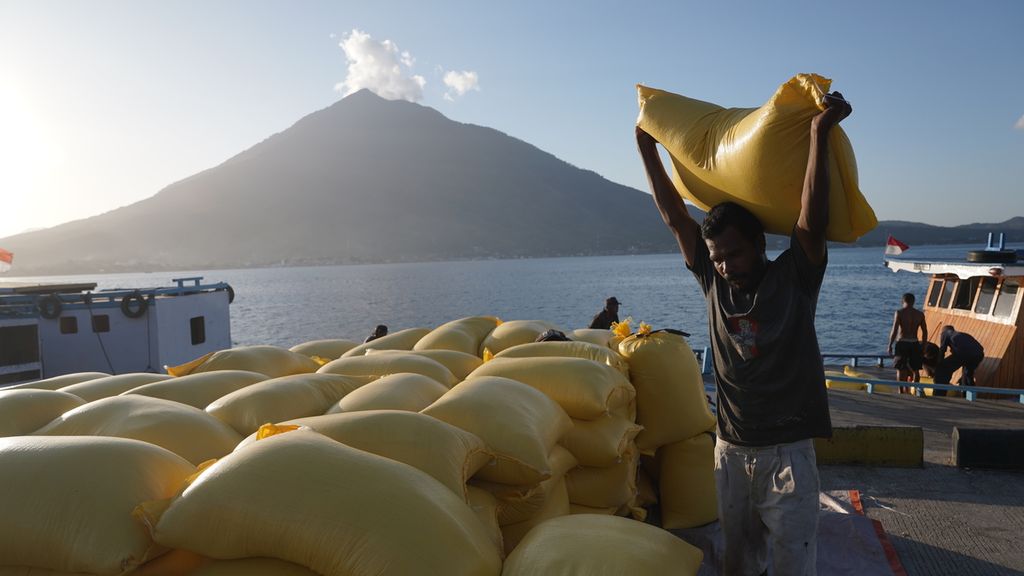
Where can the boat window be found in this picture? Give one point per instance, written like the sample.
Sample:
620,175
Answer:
198,329
964,299
21,345
933,293
1007,297
988,291
101,323
947,292
68,325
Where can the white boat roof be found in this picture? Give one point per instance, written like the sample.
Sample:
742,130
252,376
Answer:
962,270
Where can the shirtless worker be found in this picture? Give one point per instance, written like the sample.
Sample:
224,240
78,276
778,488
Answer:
906,323
768,368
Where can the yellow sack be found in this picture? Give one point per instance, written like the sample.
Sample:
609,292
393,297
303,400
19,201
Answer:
671,403
270,360
757,157
449,454
383,364
556,504
602,442
687,480
587,350
597,336
837,385
585,389
198,390
24,411
581,509
331,349
280,399
401,340
58,382
849,371
517,423
589,544
514,333
458,363
67,502
612,486
97,388
252,567
188,432
306,499
402,391
465,335
485,506
518,504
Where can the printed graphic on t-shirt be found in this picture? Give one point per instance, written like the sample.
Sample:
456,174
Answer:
743,331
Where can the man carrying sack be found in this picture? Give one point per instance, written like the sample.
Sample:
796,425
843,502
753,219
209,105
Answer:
768,369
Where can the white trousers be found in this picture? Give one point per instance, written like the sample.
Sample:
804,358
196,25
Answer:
768,499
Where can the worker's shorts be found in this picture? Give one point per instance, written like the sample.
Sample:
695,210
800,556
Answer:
907,355
767,499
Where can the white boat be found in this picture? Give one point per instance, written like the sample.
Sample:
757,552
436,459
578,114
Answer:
48,330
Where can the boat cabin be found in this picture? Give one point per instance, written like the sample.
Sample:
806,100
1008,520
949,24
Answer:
980,296
48,330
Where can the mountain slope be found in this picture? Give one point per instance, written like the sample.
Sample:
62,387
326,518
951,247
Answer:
363,180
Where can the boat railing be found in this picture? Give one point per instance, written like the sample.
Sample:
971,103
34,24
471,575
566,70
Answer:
24,305
855,359
970,392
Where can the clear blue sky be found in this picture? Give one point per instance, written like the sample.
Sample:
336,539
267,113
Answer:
103,103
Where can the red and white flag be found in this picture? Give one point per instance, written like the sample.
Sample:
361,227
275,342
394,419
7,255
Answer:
6,259
894,247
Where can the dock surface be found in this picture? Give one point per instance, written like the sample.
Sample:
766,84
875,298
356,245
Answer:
940,519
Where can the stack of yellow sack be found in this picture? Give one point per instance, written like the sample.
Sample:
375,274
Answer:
437,461
521,427
673,410
588,382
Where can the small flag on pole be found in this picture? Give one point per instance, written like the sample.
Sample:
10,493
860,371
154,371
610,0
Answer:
6,259
894,247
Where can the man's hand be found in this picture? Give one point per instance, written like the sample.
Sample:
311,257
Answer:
837,108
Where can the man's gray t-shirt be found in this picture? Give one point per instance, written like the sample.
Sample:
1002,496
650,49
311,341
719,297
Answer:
771,382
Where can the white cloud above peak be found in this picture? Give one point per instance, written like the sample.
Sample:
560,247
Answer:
379,66
1020,124
459,83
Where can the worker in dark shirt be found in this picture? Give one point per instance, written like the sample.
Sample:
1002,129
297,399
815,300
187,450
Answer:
768,369
965,352
378,332
606,317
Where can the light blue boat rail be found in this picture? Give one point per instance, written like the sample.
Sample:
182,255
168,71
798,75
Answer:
970,392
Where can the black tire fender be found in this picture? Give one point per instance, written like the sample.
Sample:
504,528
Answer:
992,256
49,306
134,305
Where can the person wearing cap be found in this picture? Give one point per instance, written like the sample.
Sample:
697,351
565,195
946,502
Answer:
378,332
603,320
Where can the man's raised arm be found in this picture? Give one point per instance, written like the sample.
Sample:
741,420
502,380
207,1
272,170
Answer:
810,227
669,202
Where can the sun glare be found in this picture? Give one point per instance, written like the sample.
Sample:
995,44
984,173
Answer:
29,157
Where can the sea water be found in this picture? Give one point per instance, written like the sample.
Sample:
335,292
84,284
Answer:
287,306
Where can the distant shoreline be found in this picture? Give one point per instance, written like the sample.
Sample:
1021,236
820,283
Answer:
775,243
